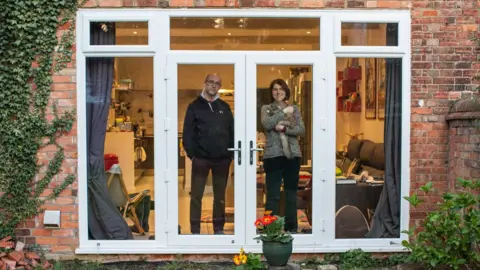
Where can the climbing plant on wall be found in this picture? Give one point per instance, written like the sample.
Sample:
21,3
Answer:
30,53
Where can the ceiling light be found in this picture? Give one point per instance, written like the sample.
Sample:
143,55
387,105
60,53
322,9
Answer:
229,34
282,48
308,32
134,32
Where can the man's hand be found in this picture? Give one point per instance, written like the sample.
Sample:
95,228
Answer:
279,127
288,109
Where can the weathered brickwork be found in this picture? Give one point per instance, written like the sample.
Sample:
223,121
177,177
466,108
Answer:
442,68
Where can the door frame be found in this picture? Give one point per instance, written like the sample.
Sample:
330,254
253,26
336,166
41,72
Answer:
318,129
159,46
173,60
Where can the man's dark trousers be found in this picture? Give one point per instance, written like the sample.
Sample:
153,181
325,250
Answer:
200,169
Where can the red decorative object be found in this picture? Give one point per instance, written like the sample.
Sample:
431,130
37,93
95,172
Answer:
110,160
352,73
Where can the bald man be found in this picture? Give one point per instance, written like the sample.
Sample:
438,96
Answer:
207,134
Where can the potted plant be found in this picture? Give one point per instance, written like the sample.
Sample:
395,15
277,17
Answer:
276,243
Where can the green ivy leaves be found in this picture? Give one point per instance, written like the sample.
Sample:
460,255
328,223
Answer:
28,39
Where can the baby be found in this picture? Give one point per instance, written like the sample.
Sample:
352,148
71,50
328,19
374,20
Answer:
287,121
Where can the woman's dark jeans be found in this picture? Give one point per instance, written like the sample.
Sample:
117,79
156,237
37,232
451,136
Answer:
276,169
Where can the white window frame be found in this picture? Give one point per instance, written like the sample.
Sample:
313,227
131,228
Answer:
158,48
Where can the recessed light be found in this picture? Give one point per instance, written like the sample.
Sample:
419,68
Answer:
308,32
229,34
134,32
282,48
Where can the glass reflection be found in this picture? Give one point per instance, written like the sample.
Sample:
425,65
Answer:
251,34
124,33
369,34
368,142
284,168
206,190
120,146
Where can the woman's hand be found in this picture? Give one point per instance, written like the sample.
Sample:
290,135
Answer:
288,109
279,127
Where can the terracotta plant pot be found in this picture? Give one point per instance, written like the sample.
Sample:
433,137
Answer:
277,253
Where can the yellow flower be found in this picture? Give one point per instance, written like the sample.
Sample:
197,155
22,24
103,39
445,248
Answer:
243,258
267,213
236,260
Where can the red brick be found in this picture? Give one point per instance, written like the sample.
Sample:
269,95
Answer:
288,3
181,3
265,3
312,3
214,3
15,256
110,3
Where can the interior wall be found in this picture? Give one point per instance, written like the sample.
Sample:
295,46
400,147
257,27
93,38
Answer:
355,122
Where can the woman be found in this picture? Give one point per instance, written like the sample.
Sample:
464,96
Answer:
275,162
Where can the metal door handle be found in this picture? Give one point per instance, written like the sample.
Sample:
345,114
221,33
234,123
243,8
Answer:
239,150
253,150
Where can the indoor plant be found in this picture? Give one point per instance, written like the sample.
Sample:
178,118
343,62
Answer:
276,243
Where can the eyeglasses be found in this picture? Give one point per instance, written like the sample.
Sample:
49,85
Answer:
213,83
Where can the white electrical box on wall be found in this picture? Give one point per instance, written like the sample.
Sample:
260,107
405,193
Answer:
51,219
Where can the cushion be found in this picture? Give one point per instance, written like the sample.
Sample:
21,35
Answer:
366,152
378,159
353,149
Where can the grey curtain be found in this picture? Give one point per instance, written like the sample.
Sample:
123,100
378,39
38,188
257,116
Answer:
386,220
104,219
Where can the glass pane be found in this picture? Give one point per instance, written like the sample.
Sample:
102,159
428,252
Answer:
369,34
284,167
120,102
124,33
368,125
251,34
205,168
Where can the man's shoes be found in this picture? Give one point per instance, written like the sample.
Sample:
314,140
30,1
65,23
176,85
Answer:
219,233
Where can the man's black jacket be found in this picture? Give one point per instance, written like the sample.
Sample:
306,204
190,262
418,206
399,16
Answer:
208,129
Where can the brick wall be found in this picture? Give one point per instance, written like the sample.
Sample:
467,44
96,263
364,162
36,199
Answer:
442,69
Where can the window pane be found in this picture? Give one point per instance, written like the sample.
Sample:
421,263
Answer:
369,34
286,192
120,146
252,34
125,33
368,143
206,191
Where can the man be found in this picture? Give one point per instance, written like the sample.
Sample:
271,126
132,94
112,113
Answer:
207,135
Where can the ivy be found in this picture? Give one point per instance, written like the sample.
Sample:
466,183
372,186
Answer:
30,53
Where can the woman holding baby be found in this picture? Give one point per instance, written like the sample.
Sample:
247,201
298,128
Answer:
281,160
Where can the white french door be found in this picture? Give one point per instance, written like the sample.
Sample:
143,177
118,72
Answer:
245,81
306,76
185,82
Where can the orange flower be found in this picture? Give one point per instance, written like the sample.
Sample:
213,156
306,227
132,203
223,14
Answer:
267,213
236,260
267,220
258,222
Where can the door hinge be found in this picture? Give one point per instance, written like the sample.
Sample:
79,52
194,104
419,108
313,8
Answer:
166,124
165,176
323,225
165,74
323,123
166,226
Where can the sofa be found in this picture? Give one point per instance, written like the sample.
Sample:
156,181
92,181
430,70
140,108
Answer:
370,157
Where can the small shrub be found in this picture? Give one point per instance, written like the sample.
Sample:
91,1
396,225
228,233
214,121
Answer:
451,233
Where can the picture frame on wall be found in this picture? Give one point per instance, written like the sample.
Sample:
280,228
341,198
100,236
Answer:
370,89
381,87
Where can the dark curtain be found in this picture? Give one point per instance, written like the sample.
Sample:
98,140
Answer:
386,220
104,219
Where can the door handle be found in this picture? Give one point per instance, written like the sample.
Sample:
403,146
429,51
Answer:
253,150
239,150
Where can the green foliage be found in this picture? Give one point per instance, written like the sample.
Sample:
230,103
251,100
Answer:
357,259
28,35
451,233
272,229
